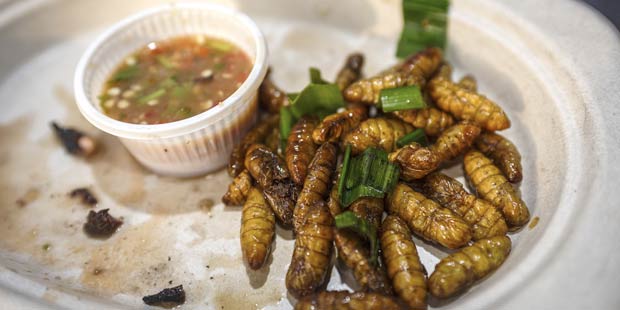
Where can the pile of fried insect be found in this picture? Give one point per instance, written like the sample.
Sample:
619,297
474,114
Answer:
298,187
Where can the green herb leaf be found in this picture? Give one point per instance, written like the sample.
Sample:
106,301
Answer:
286,123
351,221
154,95
182,91
401,98
416,136
126,73
317,99
344,173
425,24
292,96
315,76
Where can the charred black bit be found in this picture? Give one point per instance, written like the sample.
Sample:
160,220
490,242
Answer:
74,141
101,224
168,297
85,195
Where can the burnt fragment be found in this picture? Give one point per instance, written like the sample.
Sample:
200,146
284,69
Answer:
74,141
101,224
84,195
168,297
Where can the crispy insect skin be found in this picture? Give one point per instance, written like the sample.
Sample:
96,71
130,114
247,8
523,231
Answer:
351,71
271,97
344,300
486,221
258,225
503,153
334,126
370,209
377,132
427,218
403,263
415,161
491,185
444,72
469,82
433,121
415,70
256,135
460,270
455,140
238,189
300,148
468,105
311,260
318,180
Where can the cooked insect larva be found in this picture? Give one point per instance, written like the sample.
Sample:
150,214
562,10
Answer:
403,263
336,125
455,140
271,97
444,72
469,82
238,190
273,140
467,105
369,209
433,121
258,227
255,135
460,270
503,153
318,180
332,202
415,161
311,260
415,70
300,148
344,300
486,221
377,132
351,72
491,185
427,218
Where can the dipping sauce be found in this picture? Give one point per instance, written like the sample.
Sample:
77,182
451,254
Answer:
174,79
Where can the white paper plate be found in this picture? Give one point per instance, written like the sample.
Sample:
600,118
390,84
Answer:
553,65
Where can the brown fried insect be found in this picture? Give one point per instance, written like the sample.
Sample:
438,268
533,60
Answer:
415,70
415,161
271,97
74,141
455,140
486,221
344,300
351,71
460,270
166,298
444,72
491,185
336,125
273,140
369,209
469,82
427,218
238,189
503,153
377,132
300,148
333,204
311,260
258,226
101,223
256,135
433,121
403,263
316,185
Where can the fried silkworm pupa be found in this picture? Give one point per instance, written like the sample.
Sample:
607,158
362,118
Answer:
377,132
86,197
101,224
74,141
403,263
370,209
444,72
415,70
256,135
238,189
258,227
415,161
318,180
351,71
491,185
271,97
300,148
468,105
469,82
460,270
273,141
433,121
168,297
333,204
336,125
503,153
486,221
427,218
344,300
455,140
354,253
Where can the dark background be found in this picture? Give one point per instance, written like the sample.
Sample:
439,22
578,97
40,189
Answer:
609,8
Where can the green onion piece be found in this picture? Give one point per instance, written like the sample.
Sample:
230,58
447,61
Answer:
286,123
181,91
425,25
416,136
126,73
154,95
349,220
344,173
317,97
220,46
165,61
315,76
401,98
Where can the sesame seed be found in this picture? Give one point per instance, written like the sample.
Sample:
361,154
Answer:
130,61
114,91
128,94
109,103
152,102
206,73
123,104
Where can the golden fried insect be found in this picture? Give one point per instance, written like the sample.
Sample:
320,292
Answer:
273,141
415,161
460,270
336,125
369,209
444,72
333,203
271,97
403,263
256,135
351,72
311,260
486,221
318,180
491,185
300,148
467,105
377,132
469,82
427,218
238,190
344,300
455,140
415,70
258,226
503,153
432,120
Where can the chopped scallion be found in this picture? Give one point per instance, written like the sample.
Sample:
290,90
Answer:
416,136
220,46
401,98
349,220
165,61
425,25
154,95
126,73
